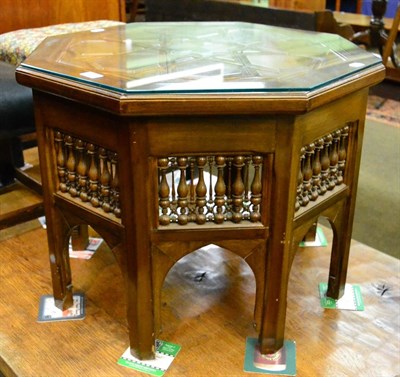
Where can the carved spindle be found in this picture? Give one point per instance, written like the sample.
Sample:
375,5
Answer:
237,190
201,192
299,189
325,163
163,191
307,172
71,166
220,189
183,191
246,178
228,179
192,190
173,189
192,165
82,170
210,201
115,186
105,178
93,175
246,195
334,159
256,188
310,161
317,167
304,199
344,133
316,171
59,140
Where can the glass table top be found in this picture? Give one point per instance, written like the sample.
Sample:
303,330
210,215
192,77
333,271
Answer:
191,57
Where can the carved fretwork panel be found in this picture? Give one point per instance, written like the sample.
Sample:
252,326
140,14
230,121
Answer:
88,173
210,189
322,167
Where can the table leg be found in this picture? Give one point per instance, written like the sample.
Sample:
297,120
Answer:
58,241
342,221
136,205
58,229
140,310
342,228
279,245
271,336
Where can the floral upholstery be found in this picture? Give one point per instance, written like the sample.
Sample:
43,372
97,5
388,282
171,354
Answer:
16,45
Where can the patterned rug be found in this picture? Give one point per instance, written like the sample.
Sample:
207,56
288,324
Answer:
384,110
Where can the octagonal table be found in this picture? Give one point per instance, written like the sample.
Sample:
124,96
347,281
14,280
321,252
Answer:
166,137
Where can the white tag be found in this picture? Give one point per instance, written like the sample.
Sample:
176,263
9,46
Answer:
91,75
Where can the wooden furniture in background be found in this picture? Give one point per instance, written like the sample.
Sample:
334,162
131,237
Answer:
375,36
246,11
270,156
22,14
21,201
360,22
311,5
16,129
135,8
338,6
391,50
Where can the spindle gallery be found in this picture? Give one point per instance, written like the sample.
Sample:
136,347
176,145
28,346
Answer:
234,196
88,172
322,166
199,189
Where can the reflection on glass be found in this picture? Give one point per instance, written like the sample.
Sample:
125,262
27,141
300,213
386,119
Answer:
201,57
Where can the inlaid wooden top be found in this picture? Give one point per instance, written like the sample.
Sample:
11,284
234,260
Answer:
201,57
152,61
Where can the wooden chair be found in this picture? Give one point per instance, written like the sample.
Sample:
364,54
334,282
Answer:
135,8
390,50
375,36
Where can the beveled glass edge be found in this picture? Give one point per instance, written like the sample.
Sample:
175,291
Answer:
201,91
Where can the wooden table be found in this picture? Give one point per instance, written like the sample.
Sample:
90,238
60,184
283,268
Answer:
166,137
360,21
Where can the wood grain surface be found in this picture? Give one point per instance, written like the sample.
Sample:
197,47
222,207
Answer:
208,301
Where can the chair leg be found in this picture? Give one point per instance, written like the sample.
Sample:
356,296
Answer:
11,156
80,237
133,10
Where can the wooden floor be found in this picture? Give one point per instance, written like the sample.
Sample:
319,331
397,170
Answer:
209,317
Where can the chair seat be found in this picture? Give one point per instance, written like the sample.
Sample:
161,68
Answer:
16,105
16,45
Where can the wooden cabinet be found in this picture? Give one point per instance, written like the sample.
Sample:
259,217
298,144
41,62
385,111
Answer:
311,5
